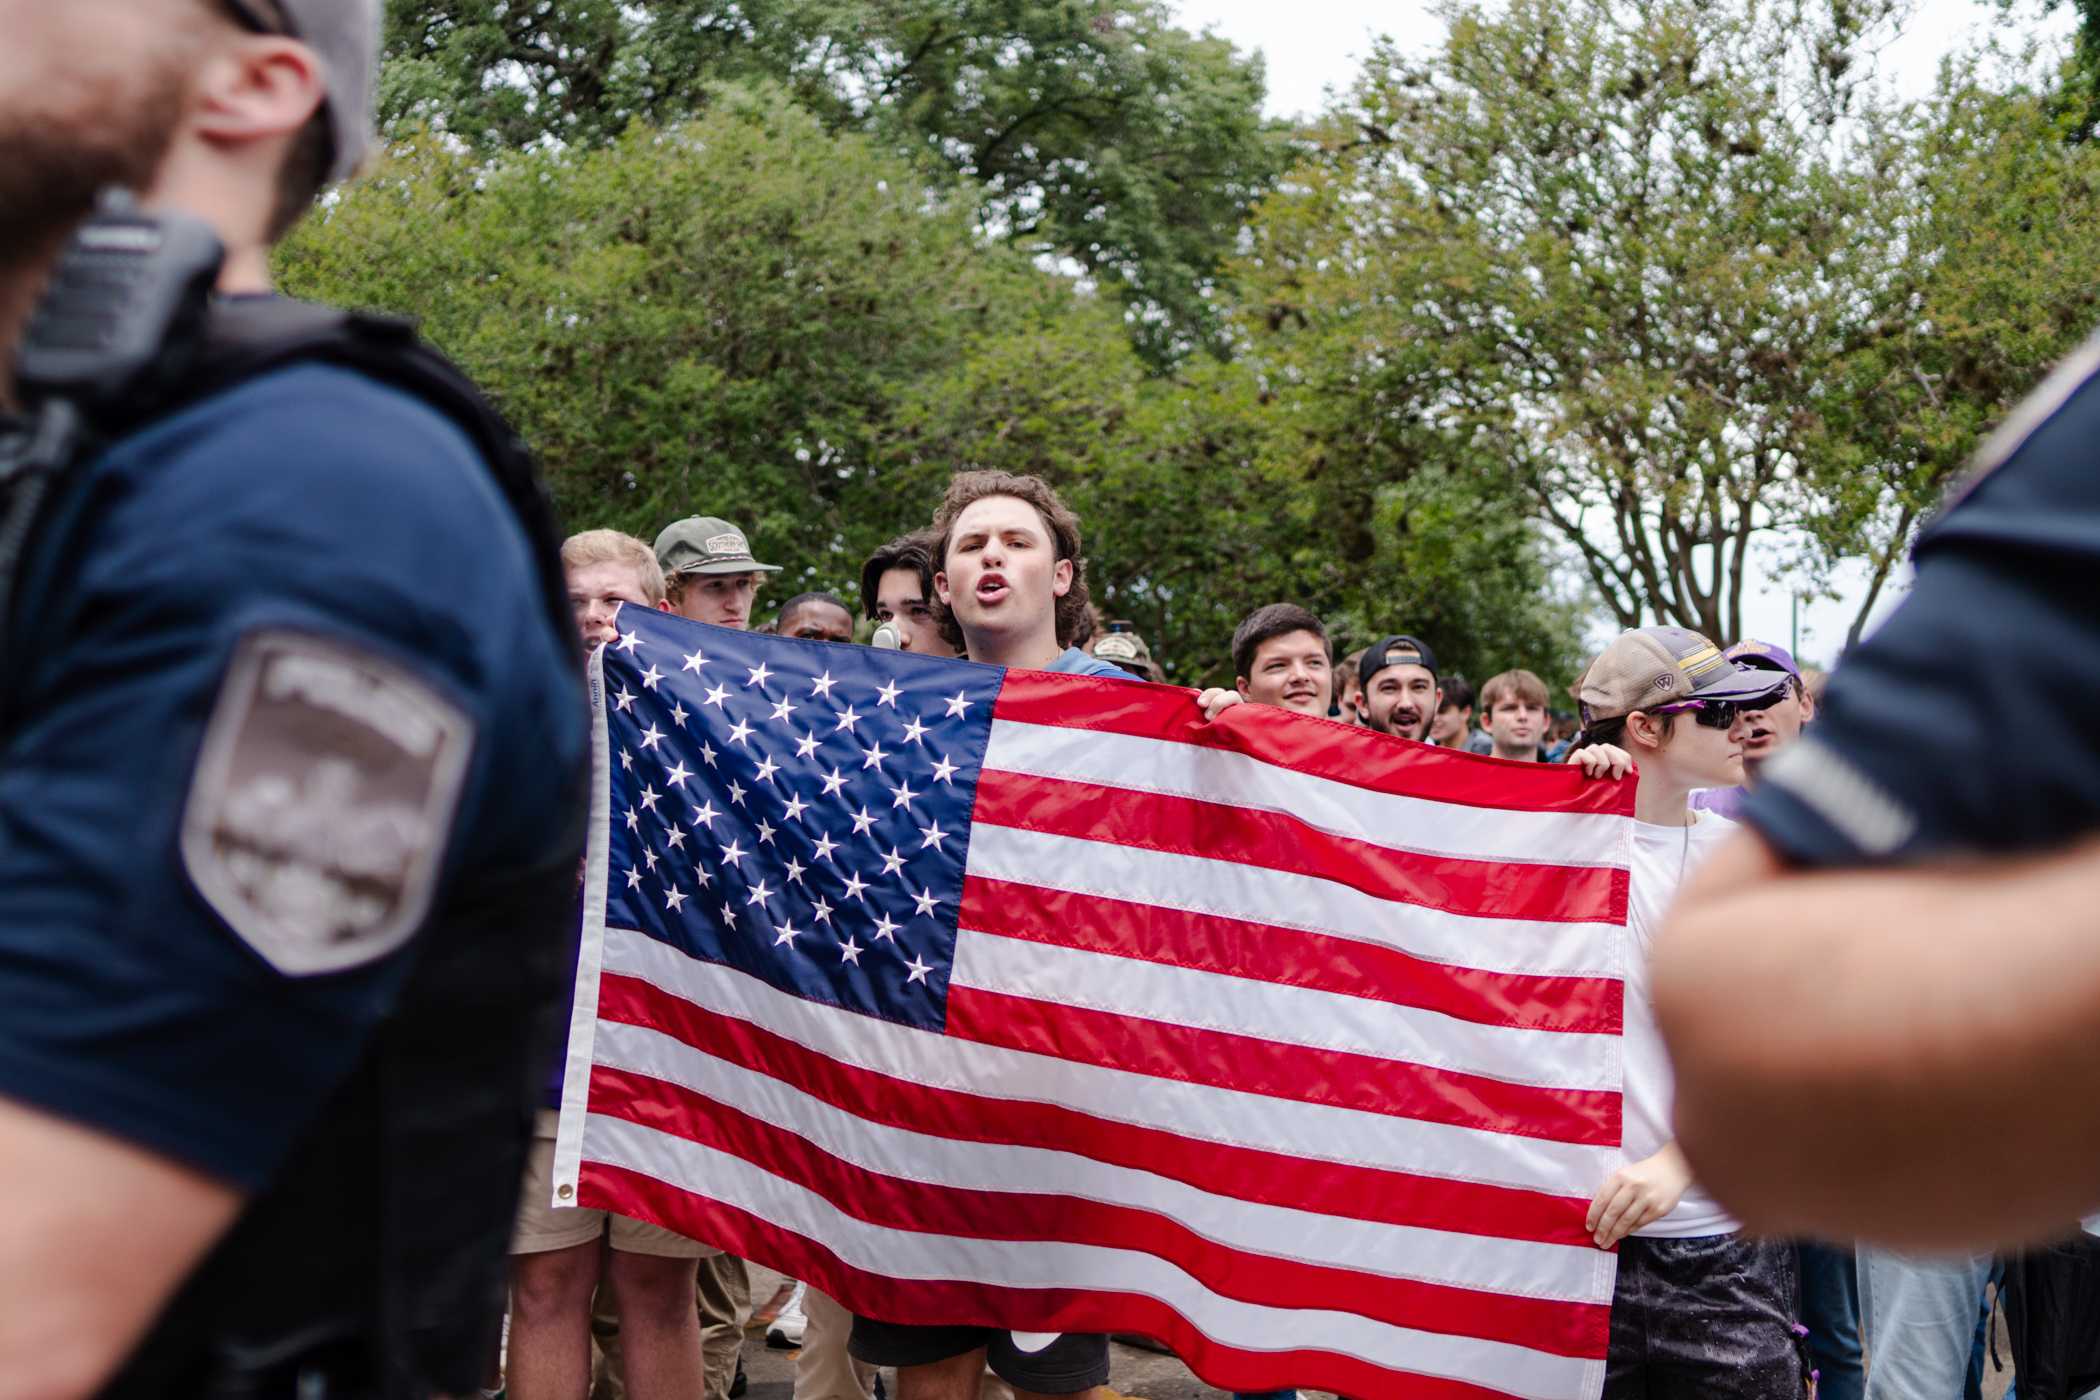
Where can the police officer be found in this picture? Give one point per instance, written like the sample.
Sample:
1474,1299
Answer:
1884,1003
290,740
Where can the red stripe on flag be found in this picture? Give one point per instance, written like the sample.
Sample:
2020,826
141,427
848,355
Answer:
605,1187
1252,1065
1481,889
1291,956
1273,1178
1327,748
1561,1327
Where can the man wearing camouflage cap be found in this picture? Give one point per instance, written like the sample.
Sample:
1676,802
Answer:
709,574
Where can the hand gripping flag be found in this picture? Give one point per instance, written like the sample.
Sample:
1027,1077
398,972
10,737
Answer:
1001,998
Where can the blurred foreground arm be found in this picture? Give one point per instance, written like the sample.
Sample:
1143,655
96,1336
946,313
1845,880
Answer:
96,1237
1860,1052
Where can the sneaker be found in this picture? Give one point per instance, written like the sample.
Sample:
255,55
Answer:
788,1326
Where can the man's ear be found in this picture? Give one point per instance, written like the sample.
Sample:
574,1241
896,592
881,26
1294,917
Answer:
1061,578
1808,704
1646,728
1240,684
664,605
940,586
258,87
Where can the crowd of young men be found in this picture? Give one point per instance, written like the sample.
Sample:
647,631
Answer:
999,577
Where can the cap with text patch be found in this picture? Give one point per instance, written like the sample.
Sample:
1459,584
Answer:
1394,651
1660,666
705,544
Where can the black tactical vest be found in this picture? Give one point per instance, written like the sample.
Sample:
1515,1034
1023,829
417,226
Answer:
373,1266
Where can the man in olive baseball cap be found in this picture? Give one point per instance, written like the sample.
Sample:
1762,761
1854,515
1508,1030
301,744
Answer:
709,573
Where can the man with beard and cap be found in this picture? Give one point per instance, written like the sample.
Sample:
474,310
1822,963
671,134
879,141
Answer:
1400,691
291,782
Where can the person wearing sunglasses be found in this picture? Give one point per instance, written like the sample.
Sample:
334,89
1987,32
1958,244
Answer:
1699,1310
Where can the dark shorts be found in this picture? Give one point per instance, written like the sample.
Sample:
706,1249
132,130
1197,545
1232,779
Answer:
1705,1319
1076,1361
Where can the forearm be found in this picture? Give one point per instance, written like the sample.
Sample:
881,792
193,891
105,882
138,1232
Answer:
97,1236
1859,1053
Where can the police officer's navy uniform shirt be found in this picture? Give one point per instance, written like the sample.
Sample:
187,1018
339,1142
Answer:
203,914
1971,720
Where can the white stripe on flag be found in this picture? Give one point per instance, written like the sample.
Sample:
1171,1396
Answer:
1301,1016
1234,891
905,1254
1564,1272
1305,1130
1216,775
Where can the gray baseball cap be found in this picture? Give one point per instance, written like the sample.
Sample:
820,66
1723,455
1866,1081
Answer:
345,33
706,544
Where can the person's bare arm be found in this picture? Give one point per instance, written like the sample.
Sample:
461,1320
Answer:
95,1238
1860,1053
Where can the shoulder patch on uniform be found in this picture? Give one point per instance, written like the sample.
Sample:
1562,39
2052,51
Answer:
323,801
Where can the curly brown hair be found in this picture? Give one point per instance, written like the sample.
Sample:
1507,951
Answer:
965,489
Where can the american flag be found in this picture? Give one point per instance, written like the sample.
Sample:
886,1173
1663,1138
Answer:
1002,998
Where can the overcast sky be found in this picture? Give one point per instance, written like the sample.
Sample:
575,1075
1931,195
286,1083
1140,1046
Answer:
1316,45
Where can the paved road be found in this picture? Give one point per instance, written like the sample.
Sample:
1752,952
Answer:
1138,1375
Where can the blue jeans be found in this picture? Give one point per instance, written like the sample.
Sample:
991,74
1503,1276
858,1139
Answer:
1920,1316
1830,1312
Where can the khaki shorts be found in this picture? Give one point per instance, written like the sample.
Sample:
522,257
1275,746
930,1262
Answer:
541,1228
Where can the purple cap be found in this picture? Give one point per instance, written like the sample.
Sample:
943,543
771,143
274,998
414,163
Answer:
1763,656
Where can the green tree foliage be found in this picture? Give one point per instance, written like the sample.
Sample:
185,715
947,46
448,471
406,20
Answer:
2078,99
719,317
1094,131
1633,262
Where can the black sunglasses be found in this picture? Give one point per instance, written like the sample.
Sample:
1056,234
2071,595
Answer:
1718,714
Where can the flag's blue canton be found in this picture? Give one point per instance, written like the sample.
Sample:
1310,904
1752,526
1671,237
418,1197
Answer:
798,810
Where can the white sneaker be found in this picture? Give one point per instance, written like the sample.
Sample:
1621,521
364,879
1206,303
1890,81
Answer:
786,1332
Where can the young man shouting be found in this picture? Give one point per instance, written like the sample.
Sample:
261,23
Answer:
1012,589
1280,657
1010,580
1400,691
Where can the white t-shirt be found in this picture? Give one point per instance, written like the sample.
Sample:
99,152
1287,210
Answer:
1663,857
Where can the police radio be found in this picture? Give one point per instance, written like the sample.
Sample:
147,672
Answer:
122,319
